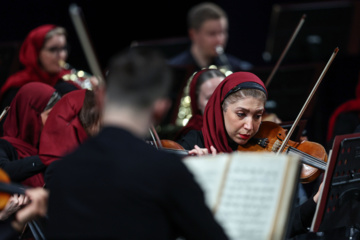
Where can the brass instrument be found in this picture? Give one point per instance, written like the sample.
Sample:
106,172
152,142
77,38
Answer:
225,68
80,77
184,113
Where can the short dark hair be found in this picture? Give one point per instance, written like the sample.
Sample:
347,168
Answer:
89,114
198,14
138,77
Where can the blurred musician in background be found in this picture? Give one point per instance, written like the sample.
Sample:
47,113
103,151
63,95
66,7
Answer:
43,55
208,32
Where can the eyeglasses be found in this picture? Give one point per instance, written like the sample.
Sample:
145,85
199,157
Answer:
57,50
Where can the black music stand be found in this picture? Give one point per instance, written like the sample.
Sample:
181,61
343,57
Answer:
339,203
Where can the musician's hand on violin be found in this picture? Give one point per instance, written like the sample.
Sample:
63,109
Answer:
15,202
202,151
37,207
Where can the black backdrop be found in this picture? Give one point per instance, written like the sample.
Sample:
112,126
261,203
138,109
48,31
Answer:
113,25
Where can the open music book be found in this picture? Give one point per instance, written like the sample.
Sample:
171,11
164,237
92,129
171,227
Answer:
250,193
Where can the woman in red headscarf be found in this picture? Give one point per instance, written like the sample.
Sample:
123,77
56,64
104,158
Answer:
202,85
41,55
232,115
22,127
72,120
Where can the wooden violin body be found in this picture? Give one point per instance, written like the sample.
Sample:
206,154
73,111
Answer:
7,188
269,138
170,146
4,196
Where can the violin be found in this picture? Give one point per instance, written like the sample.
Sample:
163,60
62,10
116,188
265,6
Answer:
270,137
7,188
170,146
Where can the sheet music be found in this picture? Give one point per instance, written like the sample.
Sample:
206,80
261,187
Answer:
210,171
251,195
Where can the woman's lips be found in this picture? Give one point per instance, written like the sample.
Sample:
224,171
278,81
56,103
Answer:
244,136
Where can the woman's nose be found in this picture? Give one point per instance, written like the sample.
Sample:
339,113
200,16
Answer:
248,123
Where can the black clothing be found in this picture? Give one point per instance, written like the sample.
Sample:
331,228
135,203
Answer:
192,138
7,232
357,129
115,185
18,169
302,215
195,137
345,123
63,87
186,59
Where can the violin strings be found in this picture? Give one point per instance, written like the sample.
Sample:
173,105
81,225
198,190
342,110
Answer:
318,163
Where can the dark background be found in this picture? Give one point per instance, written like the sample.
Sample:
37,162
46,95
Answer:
114,25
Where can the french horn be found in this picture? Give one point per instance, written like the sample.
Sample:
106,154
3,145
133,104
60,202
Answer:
80,77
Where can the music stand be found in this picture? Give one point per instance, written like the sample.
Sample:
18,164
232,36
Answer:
339,205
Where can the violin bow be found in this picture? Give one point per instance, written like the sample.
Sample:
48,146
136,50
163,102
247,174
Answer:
78,21
308,100
6,109
155,137
292,38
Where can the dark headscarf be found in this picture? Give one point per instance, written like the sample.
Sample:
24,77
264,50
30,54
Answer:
29,57
213,125
22,125
63,131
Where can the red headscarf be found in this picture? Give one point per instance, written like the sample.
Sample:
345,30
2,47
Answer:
29,57
22,125
213,125
196,120
63,131
352,105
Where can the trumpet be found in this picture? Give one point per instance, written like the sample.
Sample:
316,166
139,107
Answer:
80,77
225,68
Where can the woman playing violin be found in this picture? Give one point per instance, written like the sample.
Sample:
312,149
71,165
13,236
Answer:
232,117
